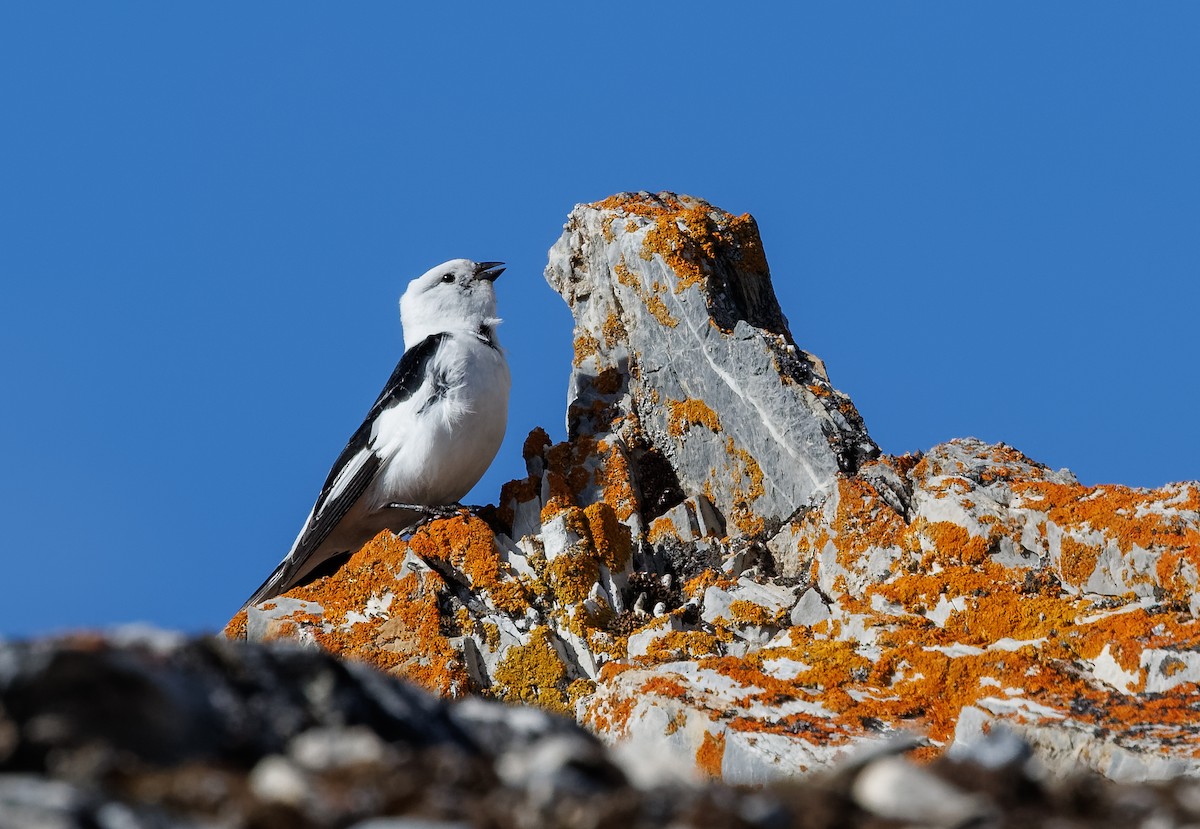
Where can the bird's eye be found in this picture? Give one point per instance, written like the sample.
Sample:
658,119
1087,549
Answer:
447,277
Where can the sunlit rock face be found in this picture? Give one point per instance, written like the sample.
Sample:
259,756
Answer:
684,360
719,564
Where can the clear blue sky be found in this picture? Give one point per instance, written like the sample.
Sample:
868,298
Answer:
985,218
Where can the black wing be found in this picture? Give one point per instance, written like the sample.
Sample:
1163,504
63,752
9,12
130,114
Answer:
406,378
330,509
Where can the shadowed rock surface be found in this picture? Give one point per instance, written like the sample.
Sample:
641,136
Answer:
719,564
682,351
152,731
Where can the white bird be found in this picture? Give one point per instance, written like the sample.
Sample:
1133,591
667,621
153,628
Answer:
432,433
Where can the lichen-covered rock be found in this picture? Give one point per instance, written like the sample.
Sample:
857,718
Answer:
719,564
970,611
684,360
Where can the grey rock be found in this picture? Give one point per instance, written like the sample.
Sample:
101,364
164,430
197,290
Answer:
785,554
641,641
320,749
205,699
685,358
293,737
994,748
1170,668
409,823
276,779
527,518
894,788
29,800
263,621
695,518
810,610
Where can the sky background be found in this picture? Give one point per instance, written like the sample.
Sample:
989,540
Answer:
984,218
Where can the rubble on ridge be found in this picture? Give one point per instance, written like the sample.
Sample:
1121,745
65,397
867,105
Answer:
156,731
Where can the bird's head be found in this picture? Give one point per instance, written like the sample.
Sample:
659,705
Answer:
455,296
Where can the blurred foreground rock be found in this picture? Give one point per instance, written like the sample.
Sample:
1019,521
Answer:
152,731
720,565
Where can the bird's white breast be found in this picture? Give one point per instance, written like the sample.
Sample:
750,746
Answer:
433,452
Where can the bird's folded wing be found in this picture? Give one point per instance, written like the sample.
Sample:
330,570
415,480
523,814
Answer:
352,472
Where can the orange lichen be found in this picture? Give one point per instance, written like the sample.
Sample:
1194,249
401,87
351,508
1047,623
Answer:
1077,560
625,276
686,249
607,381
947,624
408,641
536,443
602,540
922,674
913,684
613,331
694,587
1124,513
512,493
689,233
649,297
661,528
658,310
491,635
645,205
746,491
750,613
574,570
469,545
369,573
746,243
952,542
663,686
578,689
677,721
585,346
282,629
616,480
611,715
681,644
534,673
236,628
611,670
606,228
1176,571
1166,520
863,521
406,638
611,539
682,415
568,472
711,753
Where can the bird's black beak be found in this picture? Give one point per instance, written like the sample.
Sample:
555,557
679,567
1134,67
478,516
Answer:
489,270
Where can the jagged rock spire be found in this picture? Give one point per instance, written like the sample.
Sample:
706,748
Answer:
684,357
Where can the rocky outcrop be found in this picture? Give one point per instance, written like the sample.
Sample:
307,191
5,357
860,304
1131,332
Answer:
719,563
943,595
684,362
153,731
